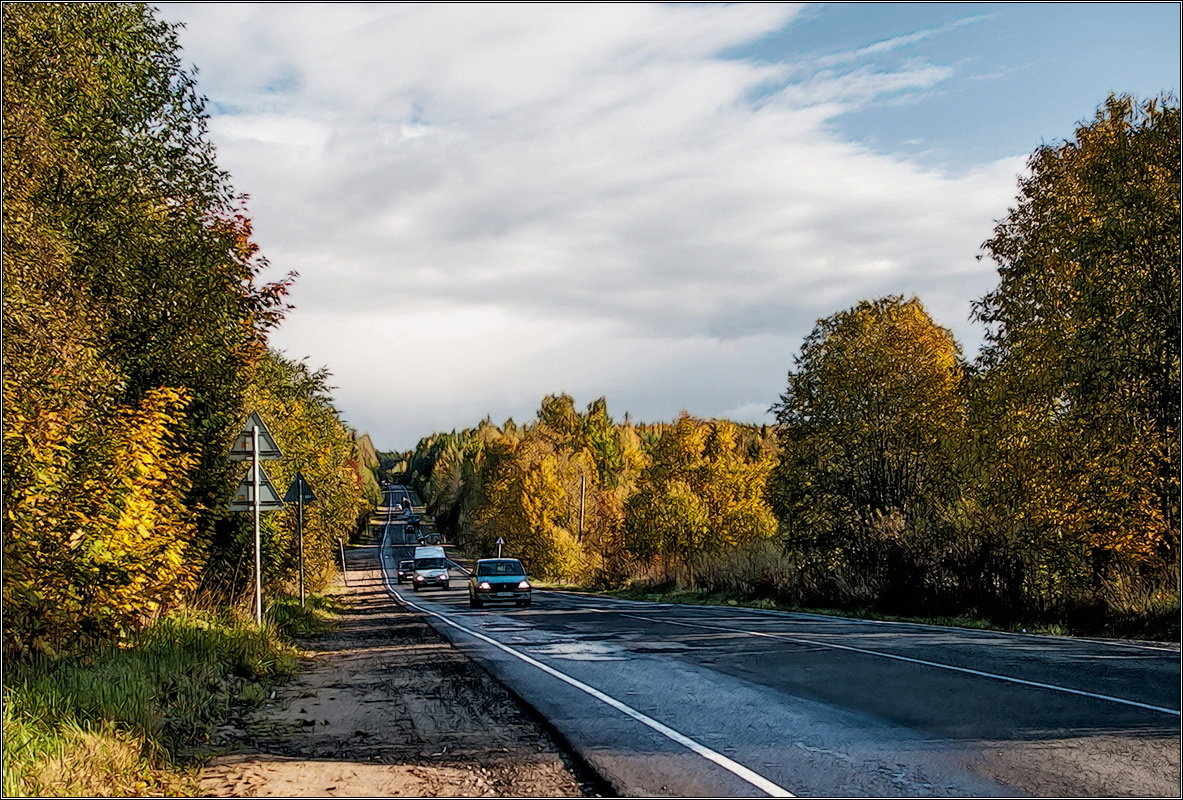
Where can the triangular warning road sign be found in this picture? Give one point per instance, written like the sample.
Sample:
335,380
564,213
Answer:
299,486
244,495
268,449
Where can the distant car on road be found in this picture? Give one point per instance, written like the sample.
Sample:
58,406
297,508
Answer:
498,580
405,570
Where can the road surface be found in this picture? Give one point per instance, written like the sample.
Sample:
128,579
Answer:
691,701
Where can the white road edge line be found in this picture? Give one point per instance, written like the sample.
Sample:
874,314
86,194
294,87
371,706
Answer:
735,768
950,667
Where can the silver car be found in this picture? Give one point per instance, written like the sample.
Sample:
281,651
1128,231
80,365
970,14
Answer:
430,572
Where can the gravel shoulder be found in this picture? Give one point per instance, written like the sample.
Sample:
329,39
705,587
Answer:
382,706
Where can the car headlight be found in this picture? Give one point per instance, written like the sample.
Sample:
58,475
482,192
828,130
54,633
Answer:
419,578
484,586
524,585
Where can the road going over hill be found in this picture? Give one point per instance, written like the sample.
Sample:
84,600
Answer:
686,700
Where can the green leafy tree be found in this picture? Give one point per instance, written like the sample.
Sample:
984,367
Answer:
366,464
295,403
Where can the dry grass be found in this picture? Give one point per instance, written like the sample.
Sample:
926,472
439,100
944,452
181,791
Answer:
104,762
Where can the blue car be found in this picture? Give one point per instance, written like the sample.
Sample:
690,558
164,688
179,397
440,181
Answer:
498,580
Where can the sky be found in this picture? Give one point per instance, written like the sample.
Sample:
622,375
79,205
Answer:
653,203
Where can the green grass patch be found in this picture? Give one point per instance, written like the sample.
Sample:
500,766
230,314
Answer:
318,615
116,721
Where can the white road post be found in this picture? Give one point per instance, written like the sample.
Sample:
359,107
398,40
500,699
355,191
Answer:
258,545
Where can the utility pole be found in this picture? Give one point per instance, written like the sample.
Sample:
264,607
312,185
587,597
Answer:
582,487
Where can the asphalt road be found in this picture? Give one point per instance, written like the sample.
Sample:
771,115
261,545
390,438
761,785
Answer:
695,701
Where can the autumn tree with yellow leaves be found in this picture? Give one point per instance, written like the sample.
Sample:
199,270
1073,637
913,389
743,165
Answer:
701,493
1039,481
581,497
1077,407
135,325
869,429
1042,480
315,442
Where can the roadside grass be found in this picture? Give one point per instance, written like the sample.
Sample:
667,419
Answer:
755,577
317,616
118,721
1127,606
562,587
1161,625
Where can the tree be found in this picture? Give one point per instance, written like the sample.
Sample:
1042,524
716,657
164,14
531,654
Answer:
93,549
1079,394
296,404
129,281
701,493
868,426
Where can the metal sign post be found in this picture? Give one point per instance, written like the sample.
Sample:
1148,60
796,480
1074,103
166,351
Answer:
254,442
299,492
300,536
258,540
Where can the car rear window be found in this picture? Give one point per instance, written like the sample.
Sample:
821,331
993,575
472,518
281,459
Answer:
513,567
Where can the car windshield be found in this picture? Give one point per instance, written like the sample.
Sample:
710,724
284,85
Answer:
429,563
406,564
507,567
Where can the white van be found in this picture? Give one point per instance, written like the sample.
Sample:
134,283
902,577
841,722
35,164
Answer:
431,568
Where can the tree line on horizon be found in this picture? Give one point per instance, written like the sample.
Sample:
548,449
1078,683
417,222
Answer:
135,344
1038,481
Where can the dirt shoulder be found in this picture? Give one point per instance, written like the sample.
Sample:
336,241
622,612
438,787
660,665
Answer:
385,706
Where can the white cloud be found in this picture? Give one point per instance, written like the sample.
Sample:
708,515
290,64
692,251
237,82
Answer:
511,200
273,129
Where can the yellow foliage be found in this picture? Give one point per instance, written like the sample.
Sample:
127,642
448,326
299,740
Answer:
85,561
293,401
699,494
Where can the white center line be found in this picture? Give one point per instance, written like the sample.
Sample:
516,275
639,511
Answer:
950,667
734,767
